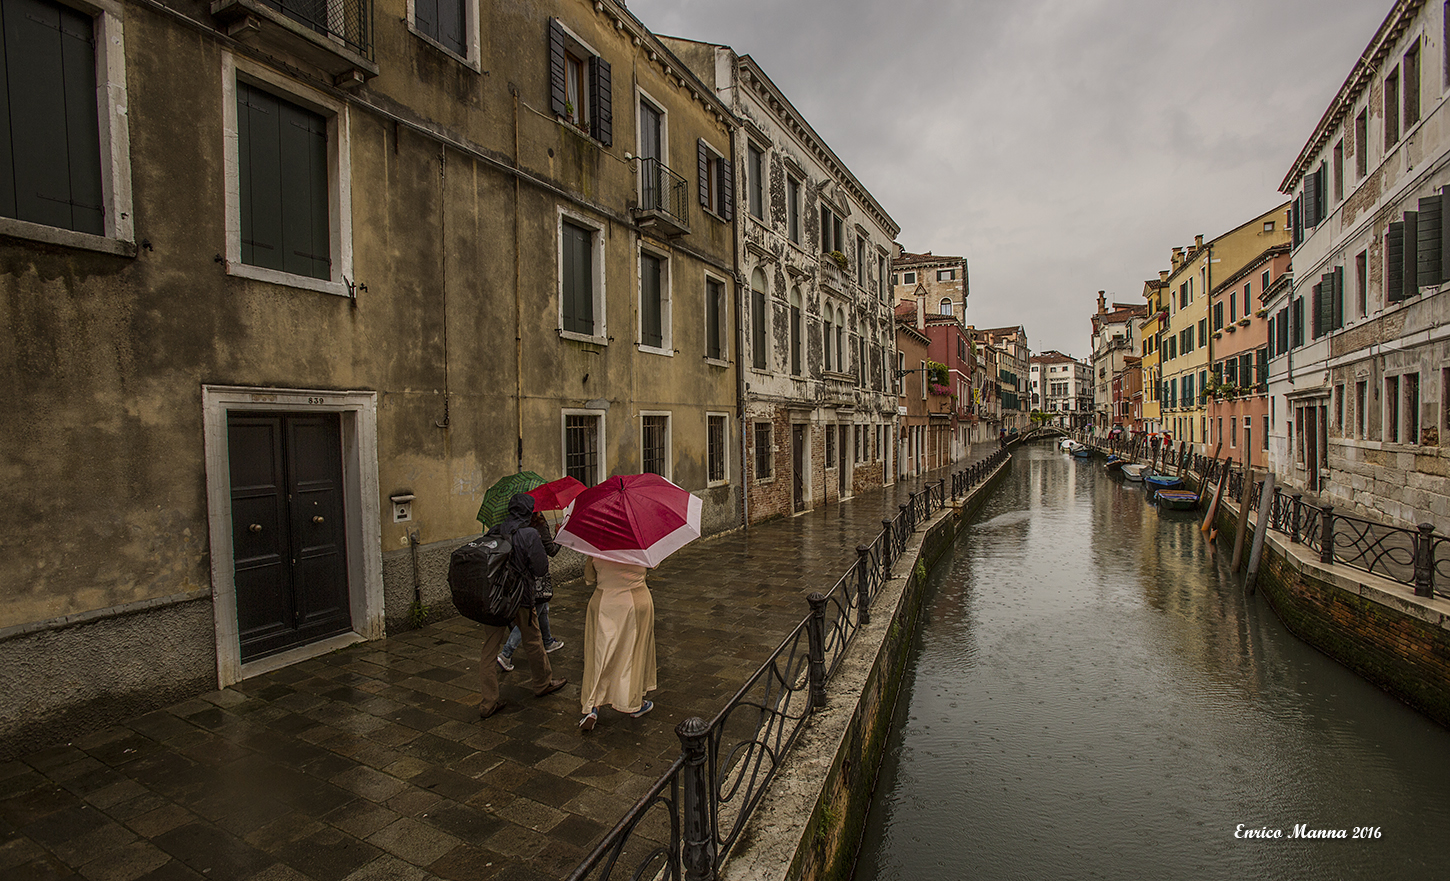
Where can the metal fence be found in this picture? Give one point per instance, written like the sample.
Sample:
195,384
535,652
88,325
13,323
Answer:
349,21
664,191
1416,557
687,823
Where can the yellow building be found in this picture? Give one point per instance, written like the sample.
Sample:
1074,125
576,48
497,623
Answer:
1153,292
1184,342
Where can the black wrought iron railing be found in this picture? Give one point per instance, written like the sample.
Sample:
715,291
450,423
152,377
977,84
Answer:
348,21
660,189
687,823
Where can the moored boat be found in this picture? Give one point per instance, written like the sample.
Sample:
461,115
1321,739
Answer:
1134,471
1082,452
1177,499
1114,463
1162,481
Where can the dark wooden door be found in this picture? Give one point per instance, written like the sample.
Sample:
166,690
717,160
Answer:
288,542
841,461
798,465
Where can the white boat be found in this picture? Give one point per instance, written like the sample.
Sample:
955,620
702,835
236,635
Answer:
1134,471
1066,443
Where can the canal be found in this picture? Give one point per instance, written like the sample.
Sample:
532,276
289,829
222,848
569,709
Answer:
1092,695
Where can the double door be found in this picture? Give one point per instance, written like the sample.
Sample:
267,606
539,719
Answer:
288,536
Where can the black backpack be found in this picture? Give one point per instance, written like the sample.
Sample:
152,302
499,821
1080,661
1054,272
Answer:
486,585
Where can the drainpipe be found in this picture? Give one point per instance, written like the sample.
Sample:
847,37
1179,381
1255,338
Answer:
518,300
739,314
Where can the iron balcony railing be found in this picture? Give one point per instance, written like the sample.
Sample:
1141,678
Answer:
663,191
348,21
687,823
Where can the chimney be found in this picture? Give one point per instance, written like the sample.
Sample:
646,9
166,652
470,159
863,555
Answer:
1102,302
1163,276
921,309
1198,241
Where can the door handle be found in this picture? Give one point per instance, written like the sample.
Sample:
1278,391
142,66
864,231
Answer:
255,527
317,519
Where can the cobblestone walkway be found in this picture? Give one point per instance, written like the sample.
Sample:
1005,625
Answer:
371,763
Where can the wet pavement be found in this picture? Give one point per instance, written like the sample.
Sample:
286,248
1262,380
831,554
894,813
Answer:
371,762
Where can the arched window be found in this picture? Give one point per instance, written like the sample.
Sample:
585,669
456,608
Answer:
758,318
840,341
828,365
946,306
795,331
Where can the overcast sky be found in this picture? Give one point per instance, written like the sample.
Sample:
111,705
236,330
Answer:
1062,146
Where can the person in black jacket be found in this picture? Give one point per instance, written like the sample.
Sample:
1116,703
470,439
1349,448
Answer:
532,561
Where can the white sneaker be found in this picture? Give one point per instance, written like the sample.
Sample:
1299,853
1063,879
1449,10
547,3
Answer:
506,664
554,645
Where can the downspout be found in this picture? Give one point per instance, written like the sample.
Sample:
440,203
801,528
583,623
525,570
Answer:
739,310
518,300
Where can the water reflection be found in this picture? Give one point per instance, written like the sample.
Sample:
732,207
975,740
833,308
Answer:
1094,696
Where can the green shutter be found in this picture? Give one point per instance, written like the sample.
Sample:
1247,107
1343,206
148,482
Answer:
578,280
260,177
650,309
557,90
450,25
282,165
602,98
425,17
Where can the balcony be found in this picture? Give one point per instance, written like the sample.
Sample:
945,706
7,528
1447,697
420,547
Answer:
336,36
664,199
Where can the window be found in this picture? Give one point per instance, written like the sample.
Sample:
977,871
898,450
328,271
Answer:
654,302
1411,67
840,341
1361,143
945,307
1361,281
580,83
717,447
449,24
1361,390
1392,409
830,446
1339,409
1392,109
881,276
1202,332
717,189
901,374
290,161
583,438
1297,323
908,278
757,319
1218,315
827,337
59,143
860,262
1233,305
793,209
1411,384
1233,431
1339,171
755,180
581,280
832,237
764,449
715,348
1263,289
795,331
946,275
1265,432
654,444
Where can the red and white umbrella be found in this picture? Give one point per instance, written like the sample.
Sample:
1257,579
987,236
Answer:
637,518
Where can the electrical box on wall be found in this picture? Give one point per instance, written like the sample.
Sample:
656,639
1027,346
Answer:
402,507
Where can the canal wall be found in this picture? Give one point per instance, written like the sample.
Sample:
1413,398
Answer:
1376,627
808,825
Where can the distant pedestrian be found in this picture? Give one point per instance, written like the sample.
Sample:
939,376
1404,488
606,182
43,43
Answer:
532,561
619,642
543,592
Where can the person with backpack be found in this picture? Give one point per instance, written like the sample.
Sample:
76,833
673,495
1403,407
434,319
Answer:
544,591
532,560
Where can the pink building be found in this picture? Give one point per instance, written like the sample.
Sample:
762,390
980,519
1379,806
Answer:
1238,411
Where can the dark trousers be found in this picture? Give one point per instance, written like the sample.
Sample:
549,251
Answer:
533,646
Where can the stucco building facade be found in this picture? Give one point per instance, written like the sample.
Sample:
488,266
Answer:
1359,368
382,265
817,334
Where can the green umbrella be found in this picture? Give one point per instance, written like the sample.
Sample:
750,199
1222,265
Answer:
496,499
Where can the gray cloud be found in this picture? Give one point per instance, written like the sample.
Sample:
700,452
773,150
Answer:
1062,146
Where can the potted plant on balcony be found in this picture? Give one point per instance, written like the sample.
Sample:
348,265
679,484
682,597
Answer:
840,259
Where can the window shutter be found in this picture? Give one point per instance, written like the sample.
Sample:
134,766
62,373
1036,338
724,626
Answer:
1395,261
703,157
601,96
1317,307
1409,272
727,189
1263,377
303,151
1297,219
1427,242
651,324
1273,328
50,121
1311,200
557,94
425,17
260,177
450,25
1336,314
1444,238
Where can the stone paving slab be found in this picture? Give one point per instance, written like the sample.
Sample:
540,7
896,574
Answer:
371,762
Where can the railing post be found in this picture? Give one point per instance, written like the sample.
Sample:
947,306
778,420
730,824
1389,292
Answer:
941,493
888,540
816,638
698,851
1425,561
863,585
905,523
1294,517
1326,535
